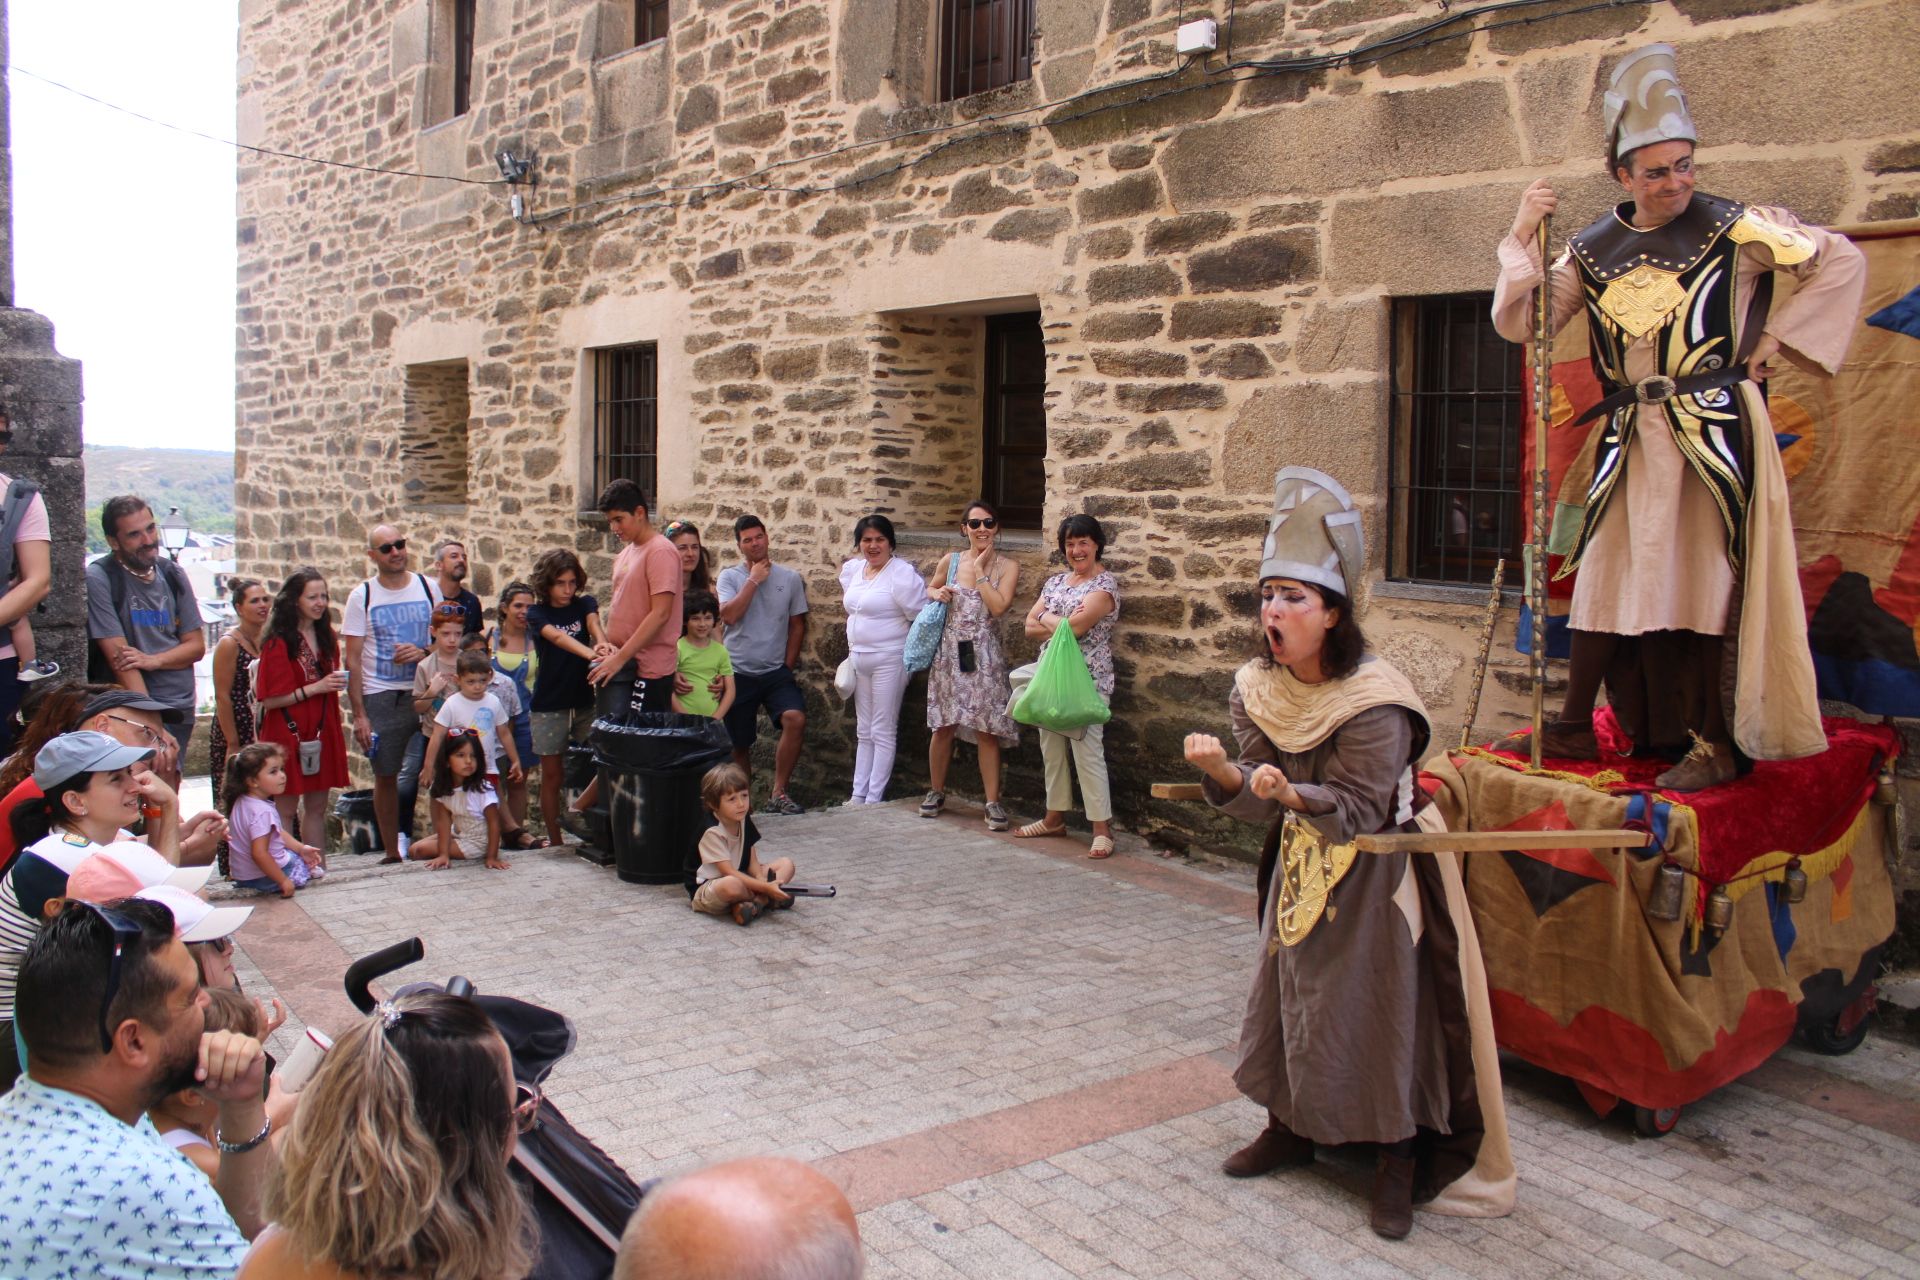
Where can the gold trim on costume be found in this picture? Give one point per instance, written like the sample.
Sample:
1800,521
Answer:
1640,301
1790,245
1309,869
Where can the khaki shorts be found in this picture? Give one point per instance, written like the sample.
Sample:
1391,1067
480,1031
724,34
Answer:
553,730
707,900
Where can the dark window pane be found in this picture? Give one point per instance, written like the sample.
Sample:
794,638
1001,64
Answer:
463,21
1014,419
984,44
1457,415
625,416
650,21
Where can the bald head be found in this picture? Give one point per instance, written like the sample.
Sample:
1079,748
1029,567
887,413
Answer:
758,1219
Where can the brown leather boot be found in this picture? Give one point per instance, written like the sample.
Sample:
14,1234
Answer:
1277,1148
1393,1195
1558,741
1708,765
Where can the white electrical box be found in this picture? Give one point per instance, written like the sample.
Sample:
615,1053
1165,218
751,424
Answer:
1202,35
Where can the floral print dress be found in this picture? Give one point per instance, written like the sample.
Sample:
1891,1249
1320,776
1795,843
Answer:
973,702
1062,598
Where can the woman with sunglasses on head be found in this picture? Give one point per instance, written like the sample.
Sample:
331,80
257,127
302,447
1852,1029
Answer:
396,1164
300,683
967,688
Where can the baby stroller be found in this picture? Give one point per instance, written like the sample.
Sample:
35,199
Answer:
580,1197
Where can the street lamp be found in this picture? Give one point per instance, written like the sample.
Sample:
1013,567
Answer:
173,533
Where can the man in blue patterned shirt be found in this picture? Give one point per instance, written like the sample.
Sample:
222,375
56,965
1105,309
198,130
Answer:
110,1006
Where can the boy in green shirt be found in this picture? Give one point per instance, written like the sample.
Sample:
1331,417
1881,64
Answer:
702,658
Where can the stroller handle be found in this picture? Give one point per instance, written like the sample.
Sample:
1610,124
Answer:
382,962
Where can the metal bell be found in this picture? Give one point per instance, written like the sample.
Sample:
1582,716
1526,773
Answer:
1795,882
1719,910
1669,887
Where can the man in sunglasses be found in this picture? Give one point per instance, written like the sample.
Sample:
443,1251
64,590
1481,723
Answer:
385,625
112,1012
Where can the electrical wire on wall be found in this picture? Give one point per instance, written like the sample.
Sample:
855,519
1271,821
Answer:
1453,25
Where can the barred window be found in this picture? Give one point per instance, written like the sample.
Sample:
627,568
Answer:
984,44
626,415
1456,500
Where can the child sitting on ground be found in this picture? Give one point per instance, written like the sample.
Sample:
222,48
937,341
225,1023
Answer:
186,1117
703,660
474,708
731,879
466,808
260,855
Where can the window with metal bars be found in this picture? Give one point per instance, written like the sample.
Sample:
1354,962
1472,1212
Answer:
650,19
626,400
1455,500
463,23
1014,420
984,44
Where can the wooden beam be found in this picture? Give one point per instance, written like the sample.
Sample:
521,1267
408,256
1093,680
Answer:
1493,841
1178,791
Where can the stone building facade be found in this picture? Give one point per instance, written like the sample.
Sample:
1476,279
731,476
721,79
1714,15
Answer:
1225,257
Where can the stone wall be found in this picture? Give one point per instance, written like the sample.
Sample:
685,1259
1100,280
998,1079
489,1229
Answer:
771,196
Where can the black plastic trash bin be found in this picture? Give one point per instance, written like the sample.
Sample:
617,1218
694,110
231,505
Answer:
650,767
355,811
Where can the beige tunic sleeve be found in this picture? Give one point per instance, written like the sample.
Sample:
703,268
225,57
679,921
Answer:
1513,291
1816,322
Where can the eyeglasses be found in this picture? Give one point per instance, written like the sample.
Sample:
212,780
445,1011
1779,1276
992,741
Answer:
987,523
153,738
398,544
124,932
526,1108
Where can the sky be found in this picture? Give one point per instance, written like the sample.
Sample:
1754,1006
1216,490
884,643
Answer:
123,231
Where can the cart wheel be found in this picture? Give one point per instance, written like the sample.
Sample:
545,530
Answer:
1833,1037
1655,1122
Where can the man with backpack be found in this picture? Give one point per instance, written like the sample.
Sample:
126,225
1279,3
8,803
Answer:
385,629
142,619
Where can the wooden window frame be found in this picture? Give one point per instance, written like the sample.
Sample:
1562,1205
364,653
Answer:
651,20
465,19
1008,32
994,449
626,418
1433,420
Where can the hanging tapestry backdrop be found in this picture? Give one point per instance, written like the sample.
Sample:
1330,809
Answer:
1851,448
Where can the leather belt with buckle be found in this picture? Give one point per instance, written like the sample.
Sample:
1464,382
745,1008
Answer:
1660,388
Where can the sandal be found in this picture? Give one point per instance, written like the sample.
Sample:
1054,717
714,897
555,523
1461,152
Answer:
745,913
1102,847
1034,830
521,838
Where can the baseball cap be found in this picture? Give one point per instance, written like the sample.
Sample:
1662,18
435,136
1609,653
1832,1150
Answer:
195,920
36,882
122,870
104,702
84,751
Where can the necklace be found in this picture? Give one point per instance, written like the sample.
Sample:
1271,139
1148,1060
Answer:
136,574
872,571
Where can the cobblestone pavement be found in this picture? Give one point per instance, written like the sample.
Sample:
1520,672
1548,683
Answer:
1016,1061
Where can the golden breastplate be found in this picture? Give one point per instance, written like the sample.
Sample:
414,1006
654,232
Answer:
1309,867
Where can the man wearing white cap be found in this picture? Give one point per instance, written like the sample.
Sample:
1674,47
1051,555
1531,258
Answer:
1687,602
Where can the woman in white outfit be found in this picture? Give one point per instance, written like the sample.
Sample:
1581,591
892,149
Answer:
882,594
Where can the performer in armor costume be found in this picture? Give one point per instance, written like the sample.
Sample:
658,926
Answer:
1368,1019
1688,601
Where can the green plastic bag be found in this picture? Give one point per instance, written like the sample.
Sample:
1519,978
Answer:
1061,696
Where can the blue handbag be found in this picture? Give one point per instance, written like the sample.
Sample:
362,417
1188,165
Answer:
923,638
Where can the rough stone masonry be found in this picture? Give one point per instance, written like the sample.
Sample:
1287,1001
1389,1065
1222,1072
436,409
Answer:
775,197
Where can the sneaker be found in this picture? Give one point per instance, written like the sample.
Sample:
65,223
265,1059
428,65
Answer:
933,804
782,803
404,842
996,817
316,873
40,670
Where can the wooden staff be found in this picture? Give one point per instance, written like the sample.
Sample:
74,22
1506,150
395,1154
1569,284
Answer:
1487,625
1537,543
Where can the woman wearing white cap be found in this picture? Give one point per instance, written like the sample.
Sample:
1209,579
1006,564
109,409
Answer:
93,788
1368,1019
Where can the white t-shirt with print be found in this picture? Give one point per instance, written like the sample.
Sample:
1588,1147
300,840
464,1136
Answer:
485,714
389,619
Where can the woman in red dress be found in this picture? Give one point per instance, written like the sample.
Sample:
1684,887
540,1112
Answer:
299,688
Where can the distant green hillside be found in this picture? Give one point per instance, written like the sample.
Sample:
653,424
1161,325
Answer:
198,481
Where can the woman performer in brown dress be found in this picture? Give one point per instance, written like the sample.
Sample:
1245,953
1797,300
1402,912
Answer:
1368,1019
